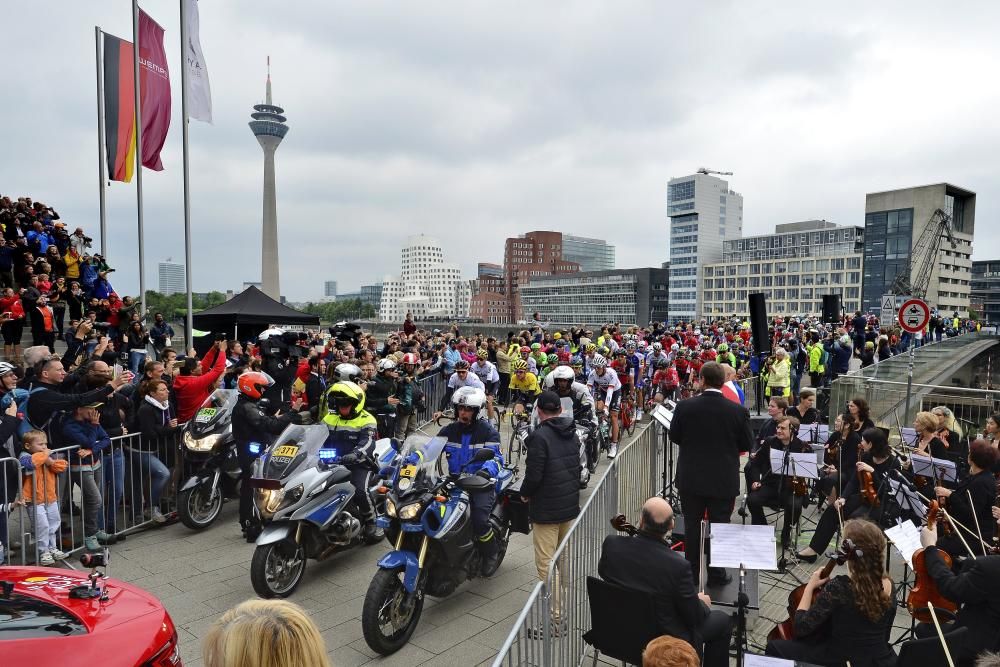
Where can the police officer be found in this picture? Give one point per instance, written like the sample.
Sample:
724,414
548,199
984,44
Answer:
464,434
250,422
563,381
352,433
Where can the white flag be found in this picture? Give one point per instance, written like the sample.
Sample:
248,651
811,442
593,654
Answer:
198,90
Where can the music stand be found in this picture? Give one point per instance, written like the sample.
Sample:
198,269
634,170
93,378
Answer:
936,469
664,415
792,464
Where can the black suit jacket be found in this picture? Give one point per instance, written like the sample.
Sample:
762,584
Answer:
710,431
977,589
647,564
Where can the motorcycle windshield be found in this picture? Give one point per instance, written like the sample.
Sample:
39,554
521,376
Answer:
216,409
422,464
297,447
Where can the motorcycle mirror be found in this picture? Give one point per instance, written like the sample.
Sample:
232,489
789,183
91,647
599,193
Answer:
483,454
395,444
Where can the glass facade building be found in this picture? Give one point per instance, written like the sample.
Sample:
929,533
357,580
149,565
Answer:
628,296
590,254
171,278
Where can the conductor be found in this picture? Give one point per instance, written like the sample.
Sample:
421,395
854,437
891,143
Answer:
710,431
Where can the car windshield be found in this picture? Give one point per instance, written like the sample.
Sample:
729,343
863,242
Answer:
426,466
23,617
297,446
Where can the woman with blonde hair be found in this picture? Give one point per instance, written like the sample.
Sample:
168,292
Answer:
264,633
852,613
928,427
951,429
779,374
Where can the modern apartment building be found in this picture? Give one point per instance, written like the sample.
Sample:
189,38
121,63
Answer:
794,268
628,296
895,222
590,254
985,296
171,277
427,286
704,214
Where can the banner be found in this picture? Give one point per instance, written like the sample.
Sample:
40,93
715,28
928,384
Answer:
198,90
119,108
154,88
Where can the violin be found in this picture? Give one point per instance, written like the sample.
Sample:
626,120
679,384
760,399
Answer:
832,455
867,483
786,629
800,487
945,527
925,590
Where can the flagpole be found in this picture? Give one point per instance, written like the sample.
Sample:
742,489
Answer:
100,141
189,318
138,155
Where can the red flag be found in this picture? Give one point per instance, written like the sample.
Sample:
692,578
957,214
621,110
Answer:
154,91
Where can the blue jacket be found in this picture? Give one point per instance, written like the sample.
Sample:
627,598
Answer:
85,436
842,355
451,357
461,447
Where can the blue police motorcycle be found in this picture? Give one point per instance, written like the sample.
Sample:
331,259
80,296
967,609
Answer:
428,521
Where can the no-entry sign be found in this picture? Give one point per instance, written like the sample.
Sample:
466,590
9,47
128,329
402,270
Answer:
914,315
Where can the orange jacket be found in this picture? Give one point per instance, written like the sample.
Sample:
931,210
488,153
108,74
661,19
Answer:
40,484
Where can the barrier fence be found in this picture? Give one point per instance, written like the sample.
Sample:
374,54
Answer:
550,628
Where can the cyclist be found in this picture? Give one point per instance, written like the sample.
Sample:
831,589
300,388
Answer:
462,377
539,356
666,381
523,386
488,375
563,381
607,392
578,373
528,359
636,366
588,358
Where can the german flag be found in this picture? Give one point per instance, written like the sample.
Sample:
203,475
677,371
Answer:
119,108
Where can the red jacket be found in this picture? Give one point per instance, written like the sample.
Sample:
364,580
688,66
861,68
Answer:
192,390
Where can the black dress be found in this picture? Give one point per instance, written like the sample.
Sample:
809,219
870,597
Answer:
839,631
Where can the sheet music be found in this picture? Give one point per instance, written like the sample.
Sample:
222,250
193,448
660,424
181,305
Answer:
822,433
734,544
804,464
934,468
663,415
907,498
751,660
905,539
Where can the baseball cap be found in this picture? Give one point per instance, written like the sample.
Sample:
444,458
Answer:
549,401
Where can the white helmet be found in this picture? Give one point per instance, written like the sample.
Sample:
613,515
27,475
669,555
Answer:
385,365
6,368
657,346
675,347
599,362
347,373
470,397
269,333
563,373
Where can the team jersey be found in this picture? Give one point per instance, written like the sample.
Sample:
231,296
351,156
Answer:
486,372
607,383
621,369
529,385
635,364
471,380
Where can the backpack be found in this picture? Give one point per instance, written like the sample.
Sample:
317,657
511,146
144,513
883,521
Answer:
52,427
824,356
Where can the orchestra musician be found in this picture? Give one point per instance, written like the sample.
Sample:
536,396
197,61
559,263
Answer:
877,459
776,407
976,588
951,431
858,408
647,563
844,439
980,485
991,431
769,488
805,411
928,427
851,617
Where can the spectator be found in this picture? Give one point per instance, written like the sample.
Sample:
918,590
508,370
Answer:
157,426
85,433
79,242
8,456
160,333
43,324
57,301
264,633
135,341
39,490
12,318
194,384
50,399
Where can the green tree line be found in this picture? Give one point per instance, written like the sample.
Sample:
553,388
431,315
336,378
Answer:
349,309
174,306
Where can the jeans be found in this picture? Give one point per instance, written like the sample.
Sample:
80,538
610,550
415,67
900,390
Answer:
46,526
112,477
136,359
151,468
796,385
88,481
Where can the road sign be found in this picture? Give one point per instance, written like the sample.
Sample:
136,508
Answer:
914,315
887,316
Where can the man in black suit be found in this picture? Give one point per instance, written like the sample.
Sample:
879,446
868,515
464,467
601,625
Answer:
647,563
710,431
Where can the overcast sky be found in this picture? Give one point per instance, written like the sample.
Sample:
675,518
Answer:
475,121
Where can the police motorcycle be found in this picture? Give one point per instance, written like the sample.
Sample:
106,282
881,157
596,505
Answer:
303,495
210,462
428,522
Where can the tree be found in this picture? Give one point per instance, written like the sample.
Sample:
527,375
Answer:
174,306
349,309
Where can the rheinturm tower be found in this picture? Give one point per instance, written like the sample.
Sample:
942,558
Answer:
269,126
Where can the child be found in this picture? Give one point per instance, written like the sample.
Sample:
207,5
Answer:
40,490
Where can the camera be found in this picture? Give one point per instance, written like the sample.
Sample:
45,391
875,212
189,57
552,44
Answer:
102,327
220,336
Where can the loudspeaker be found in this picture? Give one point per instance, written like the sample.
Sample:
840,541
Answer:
831,308
758,324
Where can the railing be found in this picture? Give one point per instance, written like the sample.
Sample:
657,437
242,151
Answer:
550,628
116,499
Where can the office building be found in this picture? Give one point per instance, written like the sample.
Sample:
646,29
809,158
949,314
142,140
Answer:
794,268
372,295
427,286
330,288
627,296
171,278
985,295
704,214
900,225
590,254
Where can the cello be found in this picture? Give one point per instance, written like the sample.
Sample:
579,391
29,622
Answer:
924,589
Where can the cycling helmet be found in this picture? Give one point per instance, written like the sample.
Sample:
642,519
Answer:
481,354
662,363
461,365
604,351
620,352
577,362
723,347
657,347
6,368
599,362
343,394
536,346
410,359
591,347
563,373
253,383
347,373
630,346
469,397
675,347
385,365
519,365
642,345
525,349
553,359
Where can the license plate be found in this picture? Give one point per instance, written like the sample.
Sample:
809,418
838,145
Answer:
285,450
204,415
408,471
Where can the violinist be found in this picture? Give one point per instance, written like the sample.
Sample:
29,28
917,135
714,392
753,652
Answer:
776,407
852,615
842,454
858,408
981,486
772,489
928,427
875,458
805,411
951,431
976,589
991,431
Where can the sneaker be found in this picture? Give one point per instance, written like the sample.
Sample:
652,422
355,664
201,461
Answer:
59,555
638,416
91,543
105,538
46,559
613,450
157,516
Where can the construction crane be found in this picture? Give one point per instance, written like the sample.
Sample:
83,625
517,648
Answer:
706,171
924,255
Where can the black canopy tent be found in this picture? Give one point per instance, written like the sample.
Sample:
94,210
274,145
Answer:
248,313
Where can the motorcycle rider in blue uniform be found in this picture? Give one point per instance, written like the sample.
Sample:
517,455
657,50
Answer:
465,435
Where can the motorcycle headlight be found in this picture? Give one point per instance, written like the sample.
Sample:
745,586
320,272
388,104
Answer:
268,501
205,444
390,507
410,512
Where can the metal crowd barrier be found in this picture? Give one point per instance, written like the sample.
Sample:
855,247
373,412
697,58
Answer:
124,487
550,628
